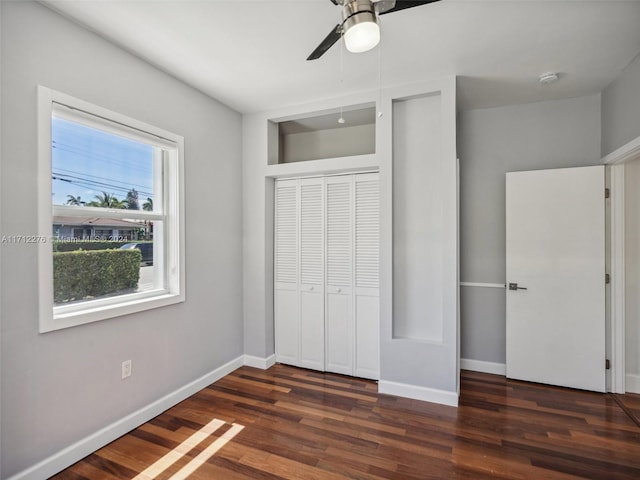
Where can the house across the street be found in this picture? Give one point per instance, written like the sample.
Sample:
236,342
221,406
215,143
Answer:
97,228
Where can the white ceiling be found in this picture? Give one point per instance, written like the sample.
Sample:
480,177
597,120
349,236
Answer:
250,54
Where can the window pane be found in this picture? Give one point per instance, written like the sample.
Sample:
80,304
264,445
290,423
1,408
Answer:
96,168
96,256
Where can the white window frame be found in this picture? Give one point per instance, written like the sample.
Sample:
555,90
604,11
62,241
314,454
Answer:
171,199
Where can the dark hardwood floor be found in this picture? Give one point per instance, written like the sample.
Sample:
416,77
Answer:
300,424
630,403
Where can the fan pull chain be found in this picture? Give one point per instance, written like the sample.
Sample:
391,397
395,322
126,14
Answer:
380,71
341,120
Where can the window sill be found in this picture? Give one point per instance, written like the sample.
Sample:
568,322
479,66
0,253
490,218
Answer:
65,317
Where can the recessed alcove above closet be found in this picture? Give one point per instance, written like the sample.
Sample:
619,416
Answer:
322,135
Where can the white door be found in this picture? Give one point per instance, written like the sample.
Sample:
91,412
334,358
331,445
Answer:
311,227
555,245
286,272
340,327
367,275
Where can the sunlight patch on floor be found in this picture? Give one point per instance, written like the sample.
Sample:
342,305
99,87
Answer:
185,447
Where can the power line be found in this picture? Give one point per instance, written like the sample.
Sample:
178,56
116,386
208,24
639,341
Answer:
73,150
123,186
97,186
99,177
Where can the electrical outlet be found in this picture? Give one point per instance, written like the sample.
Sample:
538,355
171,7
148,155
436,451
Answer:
126,369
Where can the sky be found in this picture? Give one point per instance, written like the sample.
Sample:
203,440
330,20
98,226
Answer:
87,162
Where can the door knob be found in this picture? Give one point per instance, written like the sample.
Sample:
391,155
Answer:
514,286
311,289
338,290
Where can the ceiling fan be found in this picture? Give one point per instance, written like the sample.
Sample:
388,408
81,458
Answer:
360,23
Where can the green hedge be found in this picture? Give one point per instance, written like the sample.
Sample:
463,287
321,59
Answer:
71,246
85,274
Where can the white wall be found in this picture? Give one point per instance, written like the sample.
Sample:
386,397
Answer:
491,142
258,253
621,109
419,346
61,386
418,247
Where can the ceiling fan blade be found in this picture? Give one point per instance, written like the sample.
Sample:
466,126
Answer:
327,43
403,4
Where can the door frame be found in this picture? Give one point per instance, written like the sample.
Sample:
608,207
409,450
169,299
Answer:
616,161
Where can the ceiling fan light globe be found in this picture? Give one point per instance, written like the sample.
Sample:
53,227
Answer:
362,33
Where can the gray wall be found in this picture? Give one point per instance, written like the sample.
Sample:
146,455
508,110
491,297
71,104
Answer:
621,109
61,386
491,142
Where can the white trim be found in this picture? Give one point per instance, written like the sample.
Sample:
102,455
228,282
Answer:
68,456
259,362
482,366
104,309
483,285
616,160
617,267
624,154
66,107
633,383
324,167
121,214
416,392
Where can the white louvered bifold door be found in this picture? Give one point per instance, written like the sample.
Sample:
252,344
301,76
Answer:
326,257
339,298
311,273
367,275
286,307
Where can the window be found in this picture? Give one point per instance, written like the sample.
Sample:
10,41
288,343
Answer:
110,204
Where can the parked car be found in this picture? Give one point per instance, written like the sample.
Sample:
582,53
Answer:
146,248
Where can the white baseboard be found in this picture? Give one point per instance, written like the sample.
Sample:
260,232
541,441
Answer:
418,393
90,444
259,362
484,367
632,383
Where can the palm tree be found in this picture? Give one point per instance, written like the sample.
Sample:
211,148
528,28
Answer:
106,200
148,205
71,200
131,201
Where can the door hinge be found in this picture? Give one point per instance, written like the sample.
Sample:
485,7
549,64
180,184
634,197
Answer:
607,278
607,364
607,193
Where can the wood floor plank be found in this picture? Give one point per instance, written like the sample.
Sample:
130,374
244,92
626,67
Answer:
301,424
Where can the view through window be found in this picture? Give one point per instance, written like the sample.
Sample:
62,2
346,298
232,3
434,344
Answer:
93,169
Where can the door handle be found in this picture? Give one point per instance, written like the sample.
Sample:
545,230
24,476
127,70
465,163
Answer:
514,286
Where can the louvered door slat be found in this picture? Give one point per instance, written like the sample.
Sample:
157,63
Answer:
367,233
311,235
339,242
286,236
